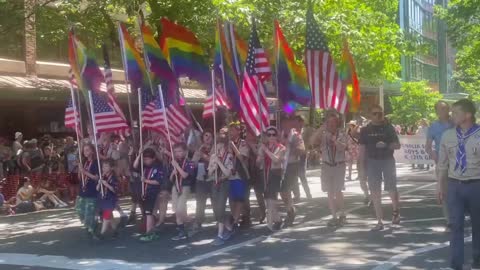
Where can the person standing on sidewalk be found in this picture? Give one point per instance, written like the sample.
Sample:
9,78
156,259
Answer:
434,134
378,140
458,169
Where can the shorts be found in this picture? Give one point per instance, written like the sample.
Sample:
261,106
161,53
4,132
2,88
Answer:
291,177
273,184
107,214
237,190
73,178
180,199
219,200
136,191
148,204
379,170
333,178
122,167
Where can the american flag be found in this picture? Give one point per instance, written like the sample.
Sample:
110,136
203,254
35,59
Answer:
253,100
328,90
106,118
109,84
72,111
153,117
221,101
70,114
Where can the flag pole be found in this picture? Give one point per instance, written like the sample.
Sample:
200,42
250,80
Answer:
125,73
77,127
140,130
214,105
177,184
94,125
277,55
221,55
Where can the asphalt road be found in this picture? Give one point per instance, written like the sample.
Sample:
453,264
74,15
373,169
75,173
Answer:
54,239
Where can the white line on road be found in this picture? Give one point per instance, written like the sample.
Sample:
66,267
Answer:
63,262
397,259
285,231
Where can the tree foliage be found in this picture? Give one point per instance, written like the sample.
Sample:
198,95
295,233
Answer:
416,101
370,26
463,22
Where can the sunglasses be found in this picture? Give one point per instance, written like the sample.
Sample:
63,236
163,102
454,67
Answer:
377,113
271,134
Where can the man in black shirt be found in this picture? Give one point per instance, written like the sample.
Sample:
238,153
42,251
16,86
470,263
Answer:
378,140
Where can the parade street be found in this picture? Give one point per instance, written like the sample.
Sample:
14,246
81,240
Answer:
55,240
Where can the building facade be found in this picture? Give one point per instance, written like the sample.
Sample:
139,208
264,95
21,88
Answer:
434,59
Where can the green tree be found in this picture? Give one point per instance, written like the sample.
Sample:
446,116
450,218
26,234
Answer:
463,23
416,101
376,40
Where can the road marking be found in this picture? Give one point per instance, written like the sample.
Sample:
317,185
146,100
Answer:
422,220
63,262
282,232
397,259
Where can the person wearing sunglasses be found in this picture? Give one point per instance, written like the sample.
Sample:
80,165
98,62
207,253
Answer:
378,140
271,155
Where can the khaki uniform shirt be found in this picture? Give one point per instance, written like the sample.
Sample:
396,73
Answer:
448,153
296,146
333,155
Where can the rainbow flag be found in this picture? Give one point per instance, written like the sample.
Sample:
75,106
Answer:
293,88
157,64
83,64
224,68
184,53
133,64
238,48
348,74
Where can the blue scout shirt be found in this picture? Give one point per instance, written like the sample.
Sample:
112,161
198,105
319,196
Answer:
435,132
189,167
156,173
108,201
90,188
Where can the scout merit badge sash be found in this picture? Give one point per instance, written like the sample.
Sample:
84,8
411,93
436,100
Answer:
147,173
332,149
179,178
287,154
86,166
268,163
461,158
218,171
243,172
107,177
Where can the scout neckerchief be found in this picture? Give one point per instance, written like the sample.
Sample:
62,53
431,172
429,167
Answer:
268,162
179,177
332,149
86,166
148,176
461,158
108,178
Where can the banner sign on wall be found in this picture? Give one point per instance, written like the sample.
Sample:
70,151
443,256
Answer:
412,150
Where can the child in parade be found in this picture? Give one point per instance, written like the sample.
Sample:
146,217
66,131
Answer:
108,200
204,183
183,177
272,155
239,178
256,180
152,177
220,169
86,204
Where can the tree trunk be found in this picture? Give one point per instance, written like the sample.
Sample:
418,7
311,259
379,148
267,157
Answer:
30,38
